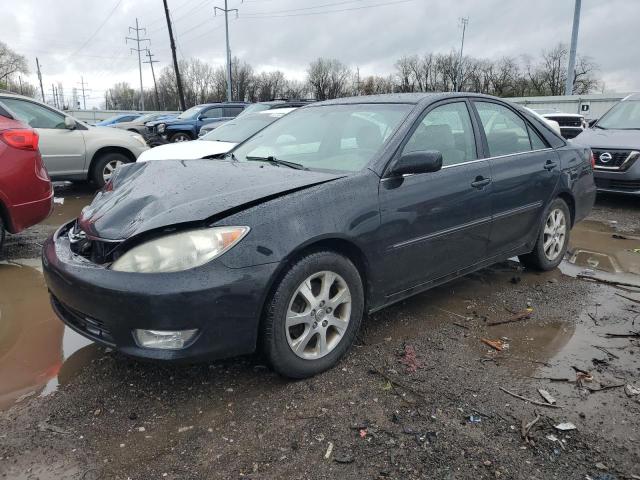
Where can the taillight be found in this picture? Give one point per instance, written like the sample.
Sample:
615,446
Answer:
22,139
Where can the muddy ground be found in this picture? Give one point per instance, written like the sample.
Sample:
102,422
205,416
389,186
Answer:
72,410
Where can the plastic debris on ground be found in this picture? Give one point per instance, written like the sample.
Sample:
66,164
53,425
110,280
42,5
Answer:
497,344
547,396
410,360
564,427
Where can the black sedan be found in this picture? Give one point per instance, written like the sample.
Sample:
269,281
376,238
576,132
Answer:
337,210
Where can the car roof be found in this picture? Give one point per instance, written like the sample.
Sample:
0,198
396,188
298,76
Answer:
275,111
410,98
633,96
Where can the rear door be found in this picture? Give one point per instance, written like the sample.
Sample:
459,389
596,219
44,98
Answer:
210,115
525,172
63,150
437,223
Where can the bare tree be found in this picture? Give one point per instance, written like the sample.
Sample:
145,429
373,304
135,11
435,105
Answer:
328,78
11,63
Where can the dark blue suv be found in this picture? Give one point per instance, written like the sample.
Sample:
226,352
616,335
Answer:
186,126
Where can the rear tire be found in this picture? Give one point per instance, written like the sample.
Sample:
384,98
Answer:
105,165
180,137
313,315
553,238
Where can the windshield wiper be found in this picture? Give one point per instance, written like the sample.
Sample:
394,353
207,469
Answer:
598,126
275,161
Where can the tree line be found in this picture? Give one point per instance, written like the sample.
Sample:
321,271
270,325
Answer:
328,78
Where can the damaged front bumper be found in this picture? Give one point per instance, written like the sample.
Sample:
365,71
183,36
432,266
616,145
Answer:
222,303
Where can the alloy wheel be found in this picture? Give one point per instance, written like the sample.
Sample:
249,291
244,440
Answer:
181,138
555,232
109,168
318,315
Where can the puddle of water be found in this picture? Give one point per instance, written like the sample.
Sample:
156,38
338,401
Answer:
70,209
36,350
593,245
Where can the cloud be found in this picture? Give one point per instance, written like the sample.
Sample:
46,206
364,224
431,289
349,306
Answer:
288,34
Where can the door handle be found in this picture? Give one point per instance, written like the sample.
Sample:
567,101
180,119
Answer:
550,165
480,182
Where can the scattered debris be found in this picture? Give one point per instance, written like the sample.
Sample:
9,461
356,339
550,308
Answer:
474,418
606,387
58,200
635,300
343,458
47,427
564,427
547,396
614,283
185,429
524,315
535,402
363,433
601,466
454,313
602,349
631,390
526,427
619,237
327,455
497,344
409,359
631,334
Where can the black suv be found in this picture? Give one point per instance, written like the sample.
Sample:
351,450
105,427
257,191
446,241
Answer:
615,141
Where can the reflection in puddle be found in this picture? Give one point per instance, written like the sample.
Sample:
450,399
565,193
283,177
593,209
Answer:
36,350
597,246
69,209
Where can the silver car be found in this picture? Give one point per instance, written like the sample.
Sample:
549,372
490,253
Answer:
71,149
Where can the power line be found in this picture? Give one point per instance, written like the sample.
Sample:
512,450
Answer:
98,29
138,29
304,8
249,16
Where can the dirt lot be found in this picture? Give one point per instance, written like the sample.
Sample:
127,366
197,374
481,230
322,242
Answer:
419,396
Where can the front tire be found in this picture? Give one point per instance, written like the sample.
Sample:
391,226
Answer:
553,239
180,137
105,166
313,315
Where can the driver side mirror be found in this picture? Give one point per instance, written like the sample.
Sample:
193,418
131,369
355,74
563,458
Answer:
70,123
592,122
423,161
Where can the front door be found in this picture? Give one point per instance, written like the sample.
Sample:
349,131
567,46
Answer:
63,150
525,172
435,224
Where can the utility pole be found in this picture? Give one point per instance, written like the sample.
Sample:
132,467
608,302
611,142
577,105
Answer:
568,87
20,82
84,100
54,94
175,58
40,78
226,11
155,85
463,22
137,29
358,81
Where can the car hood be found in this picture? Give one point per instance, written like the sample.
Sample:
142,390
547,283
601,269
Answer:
151,195
186,150
170,121
598,138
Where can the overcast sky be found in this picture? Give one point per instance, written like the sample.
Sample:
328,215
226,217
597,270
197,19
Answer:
86,37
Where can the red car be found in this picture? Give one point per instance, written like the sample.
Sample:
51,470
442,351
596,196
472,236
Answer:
26,194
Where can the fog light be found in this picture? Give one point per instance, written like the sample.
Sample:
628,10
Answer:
164,339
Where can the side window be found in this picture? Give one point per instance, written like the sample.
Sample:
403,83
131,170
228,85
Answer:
213,113
34,115
447,129
232,111
127,119
536,142
506,132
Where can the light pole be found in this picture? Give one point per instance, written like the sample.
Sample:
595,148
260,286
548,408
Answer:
568,86
463,21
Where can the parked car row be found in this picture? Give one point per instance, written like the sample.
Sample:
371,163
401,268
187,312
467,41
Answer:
331,211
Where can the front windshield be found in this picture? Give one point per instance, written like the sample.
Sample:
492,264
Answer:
329,137
623,116
147,117
192,112
239,130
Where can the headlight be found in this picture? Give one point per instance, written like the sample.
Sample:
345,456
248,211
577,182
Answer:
180,251
161,128
139,139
